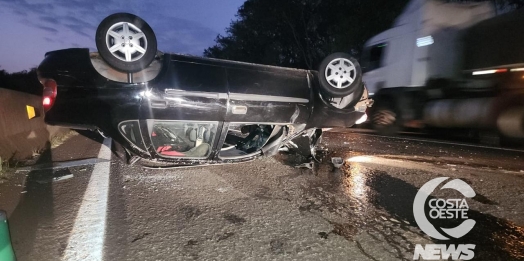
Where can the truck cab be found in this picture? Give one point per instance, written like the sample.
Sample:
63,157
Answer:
447,65
424,42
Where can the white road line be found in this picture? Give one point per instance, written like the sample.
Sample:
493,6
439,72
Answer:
442,142
86,241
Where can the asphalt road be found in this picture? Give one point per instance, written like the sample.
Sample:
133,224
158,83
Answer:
265,209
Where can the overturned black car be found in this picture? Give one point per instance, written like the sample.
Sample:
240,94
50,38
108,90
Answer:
182,110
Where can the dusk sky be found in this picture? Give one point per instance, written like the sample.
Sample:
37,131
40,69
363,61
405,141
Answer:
30,28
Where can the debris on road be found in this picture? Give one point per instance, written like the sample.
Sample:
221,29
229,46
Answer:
55,179
308,165
63,177
337,162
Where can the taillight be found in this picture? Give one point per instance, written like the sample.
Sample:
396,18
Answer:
46,101
49,93
489,71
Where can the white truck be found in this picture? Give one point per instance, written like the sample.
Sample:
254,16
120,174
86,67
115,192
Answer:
448,66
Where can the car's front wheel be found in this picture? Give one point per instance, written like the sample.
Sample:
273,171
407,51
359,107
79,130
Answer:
126,42
339,75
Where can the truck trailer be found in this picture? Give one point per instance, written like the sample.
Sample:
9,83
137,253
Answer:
448,66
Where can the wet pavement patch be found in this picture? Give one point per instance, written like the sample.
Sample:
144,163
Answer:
234,219
344,230
381,206
495,238
435,160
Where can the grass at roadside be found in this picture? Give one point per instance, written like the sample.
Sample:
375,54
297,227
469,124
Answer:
60,139
4,170
8,167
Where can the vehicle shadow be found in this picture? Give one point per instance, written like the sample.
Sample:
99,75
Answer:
116,149
495,238
35,208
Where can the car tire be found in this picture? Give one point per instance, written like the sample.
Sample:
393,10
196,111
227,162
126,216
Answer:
385,120
357,95
339,75
126,42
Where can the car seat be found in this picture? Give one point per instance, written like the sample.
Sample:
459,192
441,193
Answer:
199,151
191,134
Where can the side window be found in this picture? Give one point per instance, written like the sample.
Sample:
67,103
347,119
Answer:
373,56
183,139
131,131
244,139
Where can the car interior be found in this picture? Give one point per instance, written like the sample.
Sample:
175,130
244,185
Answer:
245,139
183,140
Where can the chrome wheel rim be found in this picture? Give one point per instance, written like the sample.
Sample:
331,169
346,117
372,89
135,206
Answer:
126,42
340,73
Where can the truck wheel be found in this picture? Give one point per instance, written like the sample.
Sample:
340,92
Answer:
384,120
339,75
126,42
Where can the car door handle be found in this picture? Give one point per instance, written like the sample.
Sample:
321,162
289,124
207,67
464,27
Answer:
239,109
159,104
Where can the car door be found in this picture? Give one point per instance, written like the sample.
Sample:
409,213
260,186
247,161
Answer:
263,94
262,101
186,107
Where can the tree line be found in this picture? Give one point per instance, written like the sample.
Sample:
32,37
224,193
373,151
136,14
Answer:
24,81
290,33
300,33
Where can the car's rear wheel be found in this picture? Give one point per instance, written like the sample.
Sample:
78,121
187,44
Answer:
126,42
339,75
